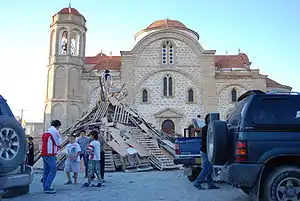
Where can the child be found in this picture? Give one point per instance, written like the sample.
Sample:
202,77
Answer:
93,150
73,160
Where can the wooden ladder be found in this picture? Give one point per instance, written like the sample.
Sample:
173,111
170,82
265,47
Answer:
109,161
121,114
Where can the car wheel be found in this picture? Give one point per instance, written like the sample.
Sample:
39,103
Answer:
16,191
12,144
283,184
194,175
217,137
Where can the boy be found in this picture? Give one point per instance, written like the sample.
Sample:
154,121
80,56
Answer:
73,160
83,141
93,150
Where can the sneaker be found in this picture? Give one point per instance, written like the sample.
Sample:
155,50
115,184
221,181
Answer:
99,185
68,183
50,191
86,185
198,186
213,187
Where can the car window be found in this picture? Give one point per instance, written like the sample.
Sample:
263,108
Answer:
285,111
236,114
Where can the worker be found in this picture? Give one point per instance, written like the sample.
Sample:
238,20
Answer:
206,172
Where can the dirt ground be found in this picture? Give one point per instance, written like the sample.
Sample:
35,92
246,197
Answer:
146,186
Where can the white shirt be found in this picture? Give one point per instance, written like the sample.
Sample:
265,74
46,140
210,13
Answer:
95,145
73,149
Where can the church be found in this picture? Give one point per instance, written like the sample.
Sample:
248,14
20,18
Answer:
169,77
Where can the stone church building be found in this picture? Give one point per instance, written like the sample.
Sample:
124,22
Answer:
170,78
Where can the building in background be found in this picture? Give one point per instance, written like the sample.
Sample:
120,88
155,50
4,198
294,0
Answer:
169,76
35,130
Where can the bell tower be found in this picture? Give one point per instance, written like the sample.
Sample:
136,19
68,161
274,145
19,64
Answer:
64,96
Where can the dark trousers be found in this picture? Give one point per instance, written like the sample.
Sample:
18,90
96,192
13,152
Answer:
102,164
30,159
86,162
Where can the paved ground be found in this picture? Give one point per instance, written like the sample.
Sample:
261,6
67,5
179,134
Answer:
146,186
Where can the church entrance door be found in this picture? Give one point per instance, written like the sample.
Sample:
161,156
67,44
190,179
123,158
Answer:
168,126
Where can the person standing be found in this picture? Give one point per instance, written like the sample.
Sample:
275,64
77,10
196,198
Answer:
83,142
206,172
94,149
73,160
102,156
30,152
51,140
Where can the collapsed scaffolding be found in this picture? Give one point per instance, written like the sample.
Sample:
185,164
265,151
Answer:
122,129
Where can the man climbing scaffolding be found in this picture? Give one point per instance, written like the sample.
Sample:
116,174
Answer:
107,76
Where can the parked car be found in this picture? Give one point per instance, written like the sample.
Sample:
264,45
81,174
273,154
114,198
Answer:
187,150
15,175
259,145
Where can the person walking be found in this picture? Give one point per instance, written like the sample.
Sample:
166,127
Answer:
206,172
83,142
30,152
51,140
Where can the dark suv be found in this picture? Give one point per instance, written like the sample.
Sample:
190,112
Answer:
15,176
261,139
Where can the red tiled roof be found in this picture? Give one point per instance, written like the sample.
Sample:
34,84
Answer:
272,83
103,62
232,61
69,10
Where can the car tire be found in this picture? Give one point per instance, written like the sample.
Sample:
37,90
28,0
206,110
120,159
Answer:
217,138
12,144
194,175
16,191
282,181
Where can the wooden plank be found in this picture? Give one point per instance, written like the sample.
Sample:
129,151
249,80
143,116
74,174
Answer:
119,149
113,101
115,133
142,151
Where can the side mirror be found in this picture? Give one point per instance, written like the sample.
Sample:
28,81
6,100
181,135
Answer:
214,117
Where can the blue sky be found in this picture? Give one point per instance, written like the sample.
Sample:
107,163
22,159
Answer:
268,31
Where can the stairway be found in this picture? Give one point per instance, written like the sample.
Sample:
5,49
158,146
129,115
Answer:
157,158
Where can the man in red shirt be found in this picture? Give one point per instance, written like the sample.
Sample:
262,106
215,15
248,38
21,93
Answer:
51,140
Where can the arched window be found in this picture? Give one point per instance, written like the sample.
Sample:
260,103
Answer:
145,96
167,52
63,42
74,48
233,95
168,85
190,95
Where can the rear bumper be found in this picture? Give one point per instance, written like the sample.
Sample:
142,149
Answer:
16,179
187,161
243,175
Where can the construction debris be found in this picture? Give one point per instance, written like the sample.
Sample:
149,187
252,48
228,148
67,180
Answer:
123,128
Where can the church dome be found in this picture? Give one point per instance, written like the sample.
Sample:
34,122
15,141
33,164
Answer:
166,24
69,10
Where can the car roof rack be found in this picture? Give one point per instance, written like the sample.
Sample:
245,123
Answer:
249,93
279,92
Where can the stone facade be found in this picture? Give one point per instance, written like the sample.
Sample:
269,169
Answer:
201,81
